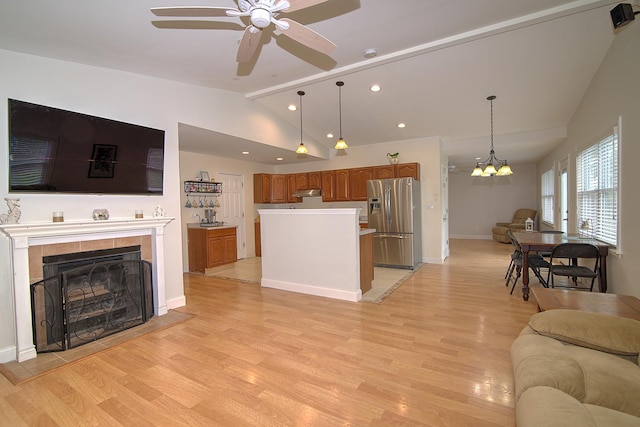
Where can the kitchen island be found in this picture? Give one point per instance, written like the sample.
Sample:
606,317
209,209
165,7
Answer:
211,246
316,251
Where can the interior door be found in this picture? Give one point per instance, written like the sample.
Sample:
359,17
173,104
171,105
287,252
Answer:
231,209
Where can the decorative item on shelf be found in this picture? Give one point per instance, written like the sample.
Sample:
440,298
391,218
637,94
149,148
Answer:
213,188
203,176
13,215
100,214
301,148
491,162
58,217
158,212
393,158
528,225
341,144
138,213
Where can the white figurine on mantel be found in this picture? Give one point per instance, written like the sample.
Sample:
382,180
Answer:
158,212
13,216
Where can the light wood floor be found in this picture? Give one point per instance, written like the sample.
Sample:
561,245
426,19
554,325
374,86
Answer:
436,352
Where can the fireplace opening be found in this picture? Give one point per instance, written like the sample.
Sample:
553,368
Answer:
86,296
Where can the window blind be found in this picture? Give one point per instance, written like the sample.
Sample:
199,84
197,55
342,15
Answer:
597,187
547,197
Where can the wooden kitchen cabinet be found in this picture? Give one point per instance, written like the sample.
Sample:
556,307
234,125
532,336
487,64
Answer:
302,181
269,188
328,179
211,247
358,178
291,188
262,188
384,172
315,180
408,170
342,185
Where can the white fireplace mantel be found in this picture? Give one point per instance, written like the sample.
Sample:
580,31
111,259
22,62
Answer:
23,236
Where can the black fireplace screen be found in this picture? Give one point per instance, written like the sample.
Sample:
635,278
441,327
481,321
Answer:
84,303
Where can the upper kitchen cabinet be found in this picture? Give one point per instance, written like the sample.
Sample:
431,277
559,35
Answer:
315,180
343,193
269,188
384,172
328,180
262,188
302,181
291,188
408,170
358,178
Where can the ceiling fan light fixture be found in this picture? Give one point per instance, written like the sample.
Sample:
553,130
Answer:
341,144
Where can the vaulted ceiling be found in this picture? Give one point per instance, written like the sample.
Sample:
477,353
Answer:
437,61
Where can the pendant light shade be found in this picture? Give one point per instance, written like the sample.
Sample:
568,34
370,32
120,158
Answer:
492,161
341,144
301,148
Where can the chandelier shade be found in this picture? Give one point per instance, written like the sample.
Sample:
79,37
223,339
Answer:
492,166
341,144
301,148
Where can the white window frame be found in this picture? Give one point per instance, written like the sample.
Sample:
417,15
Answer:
547,198
598,189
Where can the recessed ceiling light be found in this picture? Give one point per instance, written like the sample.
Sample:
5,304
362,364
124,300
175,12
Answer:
329,135
245,152
279,158
401,125
370,53
292,107
375,88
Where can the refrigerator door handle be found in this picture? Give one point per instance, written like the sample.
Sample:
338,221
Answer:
394,236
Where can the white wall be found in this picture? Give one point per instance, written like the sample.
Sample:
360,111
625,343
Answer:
130,98
614,92
476,203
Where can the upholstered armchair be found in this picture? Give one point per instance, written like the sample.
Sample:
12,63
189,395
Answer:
517,224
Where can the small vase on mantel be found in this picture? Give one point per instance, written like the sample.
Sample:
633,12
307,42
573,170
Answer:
393,158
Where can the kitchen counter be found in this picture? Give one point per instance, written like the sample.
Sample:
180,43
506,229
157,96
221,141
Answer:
316,252
207,227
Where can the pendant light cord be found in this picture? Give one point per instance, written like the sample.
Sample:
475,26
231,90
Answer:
340,84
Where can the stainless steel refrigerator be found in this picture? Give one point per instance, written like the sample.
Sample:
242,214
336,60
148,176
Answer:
394,211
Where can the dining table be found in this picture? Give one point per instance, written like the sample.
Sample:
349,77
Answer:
535,241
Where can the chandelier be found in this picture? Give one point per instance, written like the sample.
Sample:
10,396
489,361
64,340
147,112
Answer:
493,166
301,148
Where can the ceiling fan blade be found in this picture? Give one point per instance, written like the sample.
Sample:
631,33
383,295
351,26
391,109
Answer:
302,4
248,44
197,11
308,37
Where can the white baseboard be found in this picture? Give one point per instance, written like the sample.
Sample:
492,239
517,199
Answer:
471,237
312,290
180,301
8,354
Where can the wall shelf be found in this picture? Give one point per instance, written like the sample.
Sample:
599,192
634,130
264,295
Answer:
213,188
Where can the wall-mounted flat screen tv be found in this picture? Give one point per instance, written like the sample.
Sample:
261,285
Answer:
58,151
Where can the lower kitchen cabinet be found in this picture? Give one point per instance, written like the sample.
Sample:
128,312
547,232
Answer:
211,247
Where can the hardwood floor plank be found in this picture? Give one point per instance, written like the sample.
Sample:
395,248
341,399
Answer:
434,353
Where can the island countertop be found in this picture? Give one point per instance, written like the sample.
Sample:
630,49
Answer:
209,227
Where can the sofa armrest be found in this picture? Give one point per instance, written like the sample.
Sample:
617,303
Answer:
516,226
503,224
603,332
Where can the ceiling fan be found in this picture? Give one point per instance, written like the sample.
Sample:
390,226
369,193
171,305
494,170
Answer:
262,13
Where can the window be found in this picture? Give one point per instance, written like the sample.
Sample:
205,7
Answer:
597,176
547,197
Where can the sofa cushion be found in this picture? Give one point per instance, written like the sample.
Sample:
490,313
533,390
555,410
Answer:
547,407
611,334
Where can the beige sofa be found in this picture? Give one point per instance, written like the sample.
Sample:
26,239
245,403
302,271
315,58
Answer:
574,368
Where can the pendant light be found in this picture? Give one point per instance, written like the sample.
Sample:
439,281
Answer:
491,163
301,148
341,144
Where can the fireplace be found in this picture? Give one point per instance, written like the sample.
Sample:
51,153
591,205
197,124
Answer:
86,296
31,241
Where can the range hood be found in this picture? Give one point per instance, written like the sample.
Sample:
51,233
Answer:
314,192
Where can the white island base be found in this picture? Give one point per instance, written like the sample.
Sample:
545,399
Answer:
312,251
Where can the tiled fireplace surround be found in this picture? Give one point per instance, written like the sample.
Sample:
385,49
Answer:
30,242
